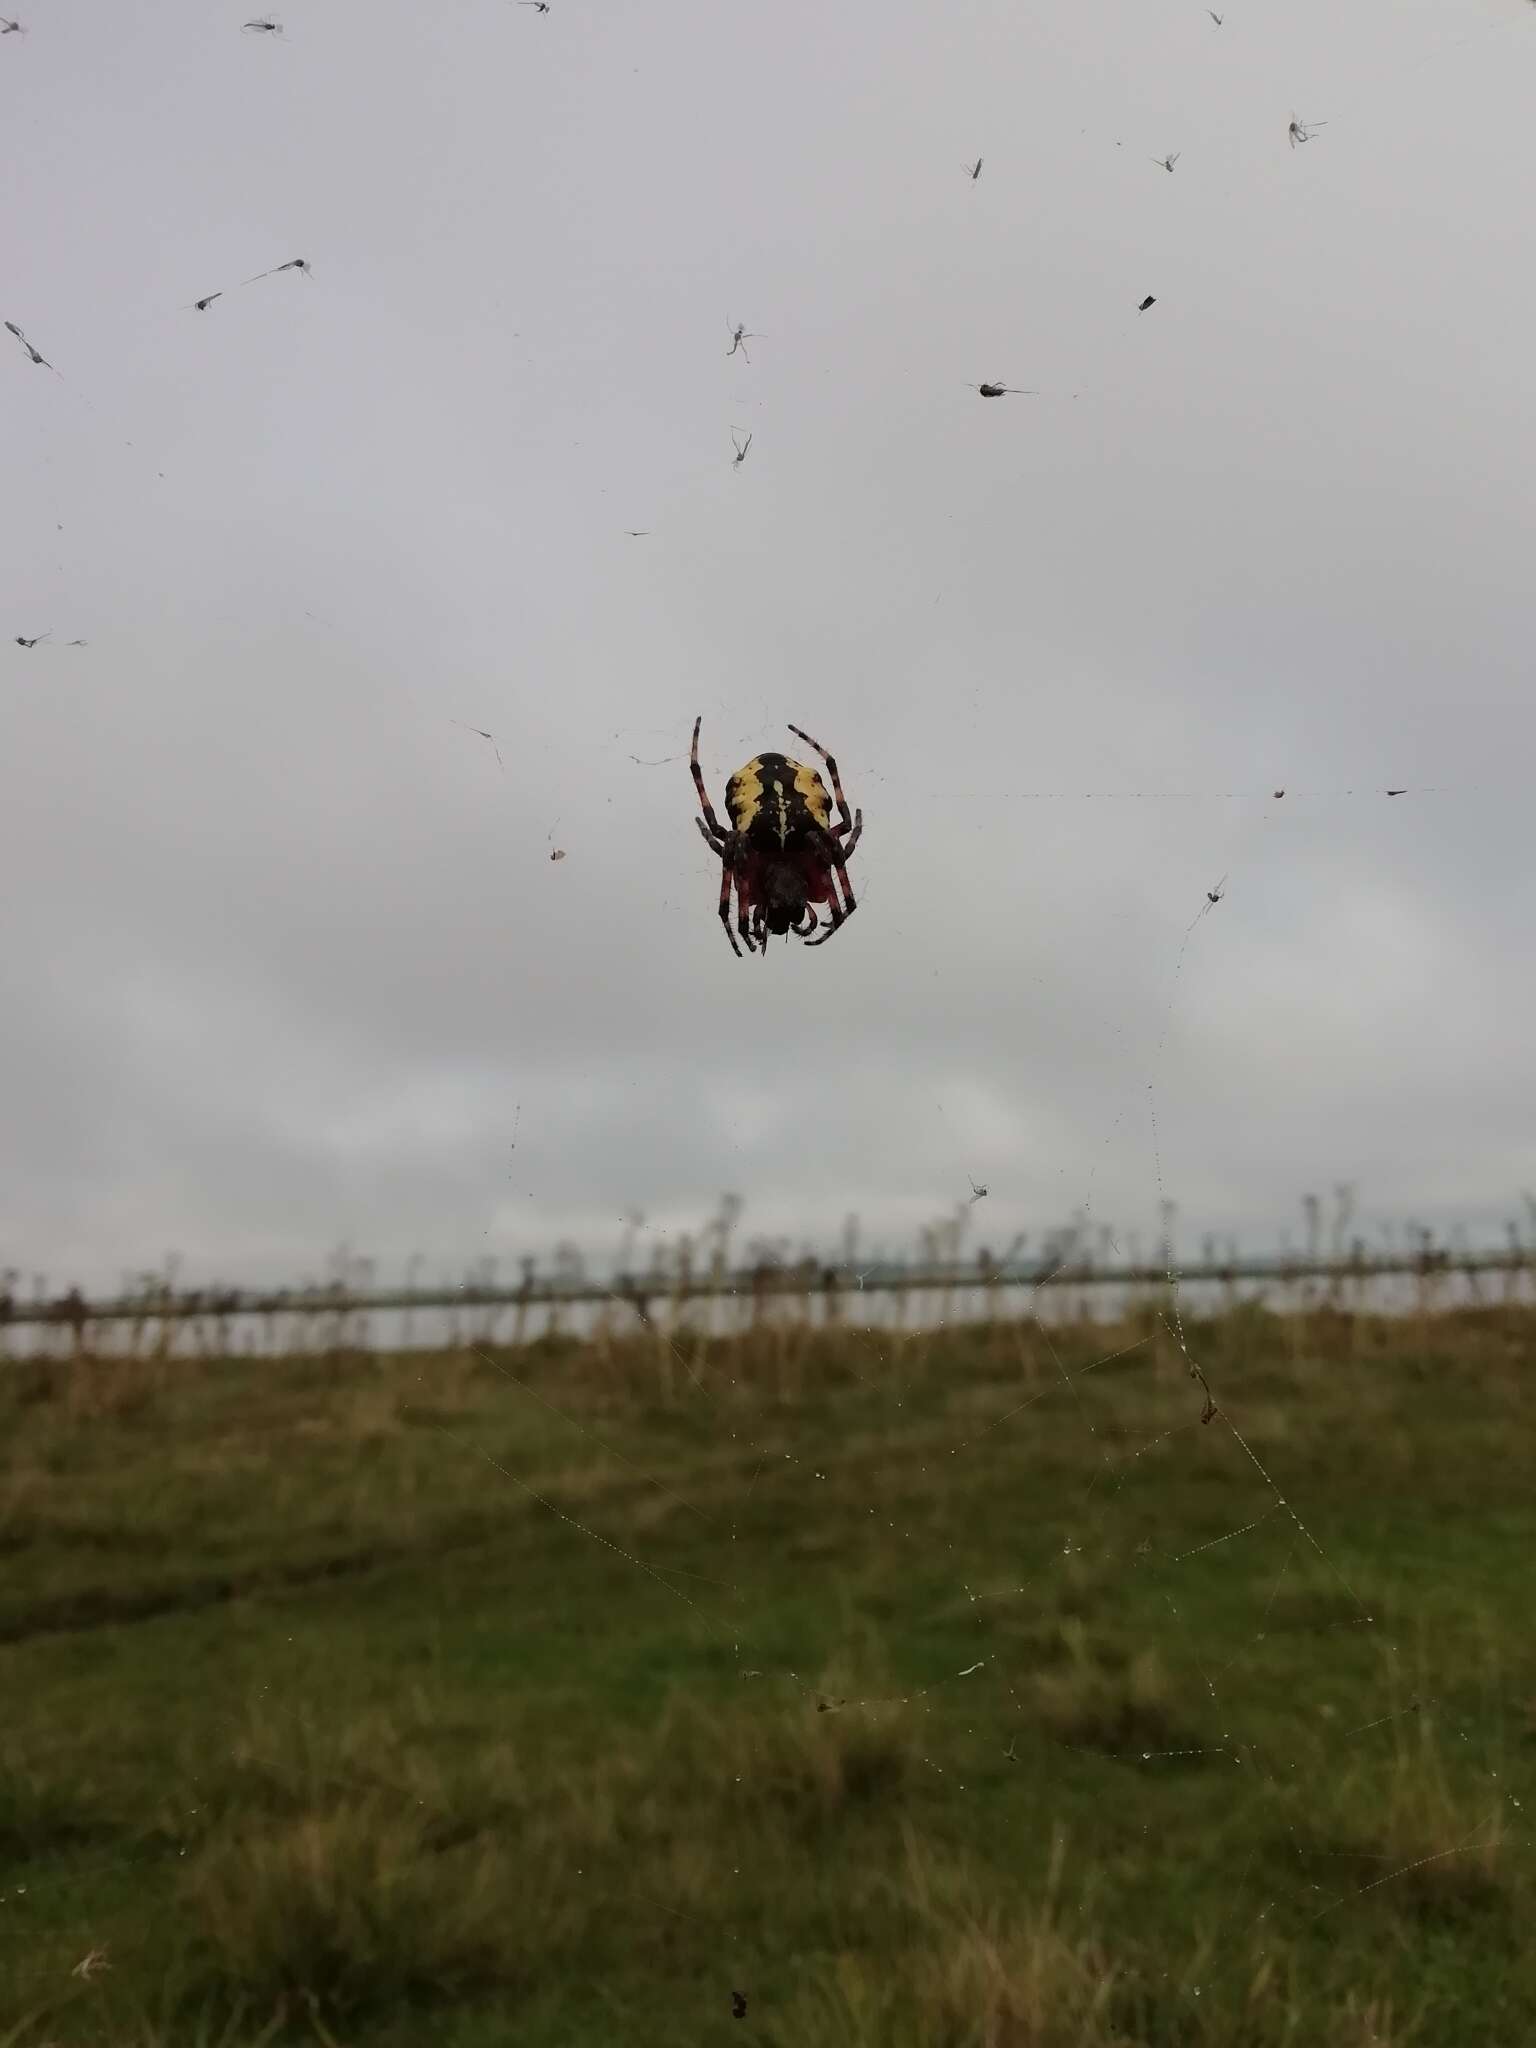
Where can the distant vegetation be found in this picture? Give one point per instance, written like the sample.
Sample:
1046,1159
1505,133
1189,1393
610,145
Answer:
958,1689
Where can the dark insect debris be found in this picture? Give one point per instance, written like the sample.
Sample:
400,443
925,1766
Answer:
1146,302
740,446
975,170
738,2005
1005,390
1167,162
1302,131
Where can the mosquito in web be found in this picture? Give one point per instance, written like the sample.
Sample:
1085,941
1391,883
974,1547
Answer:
538,6
261,28
740,446
298,263
973,171
1302,131
41,360
740,335
1167,162
480,733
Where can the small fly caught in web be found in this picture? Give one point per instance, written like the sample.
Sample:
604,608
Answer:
740,335
298,263
1302,131
41,360
1167,162
973,171
1147,303
1004,390
740,446
263,27
978,1191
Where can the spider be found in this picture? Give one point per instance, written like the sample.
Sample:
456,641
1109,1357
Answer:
782,849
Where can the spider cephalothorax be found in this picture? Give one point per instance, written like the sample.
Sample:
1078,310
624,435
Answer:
782,849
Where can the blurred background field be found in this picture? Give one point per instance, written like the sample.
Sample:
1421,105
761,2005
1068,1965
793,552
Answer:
947,1686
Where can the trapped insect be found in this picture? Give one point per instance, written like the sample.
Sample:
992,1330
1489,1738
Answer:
974,170
738,2005
1146,302
538,6
300,263
740,446
978,1191
31,351
1167,162
36,641
1004,390
202,305
1302,131
1217,18
740,336
782,850
261,28
1215,895
11,28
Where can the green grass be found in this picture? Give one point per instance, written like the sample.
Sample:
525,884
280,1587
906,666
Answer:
553,1696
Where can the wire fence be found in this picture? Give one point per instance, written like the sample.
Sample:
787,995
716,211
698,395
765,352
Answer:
353,1312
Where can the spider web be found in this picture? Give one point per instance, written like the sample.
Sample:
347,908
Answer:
1178,1592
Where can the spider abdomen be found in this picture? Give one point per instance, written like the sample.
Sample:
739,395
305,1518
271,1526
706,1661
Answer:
777,804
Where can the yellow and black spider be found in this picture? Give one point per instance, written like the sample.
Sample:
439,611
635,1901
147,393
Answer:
783,849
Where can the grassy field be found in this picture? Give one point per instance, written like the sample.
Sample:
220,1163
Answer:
952,1689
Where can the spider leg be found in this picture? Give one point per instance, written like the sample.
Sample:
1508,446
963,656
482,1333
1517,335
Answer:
858,827
844,814
725,905
840,915
714,840
698,780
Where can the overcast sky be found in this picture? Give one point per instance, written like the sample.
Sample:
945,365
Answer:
285,959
